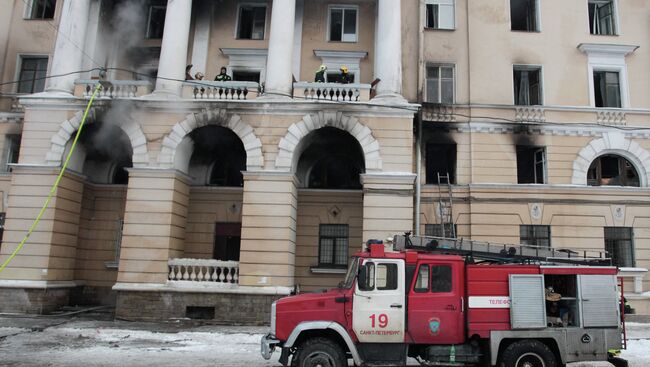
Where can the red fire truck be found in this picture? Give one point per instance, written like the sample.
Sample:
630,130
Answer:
453,302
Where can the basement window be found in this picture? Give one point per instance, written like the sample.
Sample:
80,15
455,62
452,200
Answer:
535,235
156,21
619,245
527,85
612,170
333,246
343,23
251,22
440,14
607,89
524,15
199,313
440,160
531,165
602,17
41,9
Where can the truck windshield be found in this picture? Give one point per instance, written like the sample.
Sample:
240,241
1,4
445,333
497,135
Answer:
352,272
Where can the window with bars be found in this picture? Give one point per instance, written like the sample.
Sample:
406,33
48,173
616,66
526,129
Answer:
535,235
32,74
252,22
619,244
527,85
436,230
41,9
440,84
440,14
333,245
601,17
607,89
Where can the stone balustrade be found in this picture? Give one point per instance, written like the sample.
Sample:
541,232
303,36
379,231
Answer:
332,91
113,88
232,90
203,270
634,274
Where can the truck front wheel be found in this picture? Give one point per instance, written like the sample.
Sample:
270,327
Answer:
528,353
319,352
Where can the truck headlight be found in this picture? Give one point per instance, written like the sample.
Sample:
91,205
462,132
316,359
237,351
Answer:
273,316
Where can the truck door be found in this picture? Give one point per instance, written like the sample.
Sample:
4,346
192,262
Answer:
379,302
436,304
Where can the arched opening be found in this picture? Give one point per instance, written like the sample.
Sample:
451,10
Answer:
218,158
330,159
107,152
612,170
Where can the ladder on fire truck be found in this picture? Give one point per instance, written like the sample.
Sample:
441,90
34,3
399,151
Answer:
445,205
499,252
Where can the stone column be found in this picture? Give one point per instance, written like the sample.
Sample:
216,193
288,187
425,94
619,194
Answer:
268,235
201,42
154,225
173,53
279,66
68,49
387,204
388,50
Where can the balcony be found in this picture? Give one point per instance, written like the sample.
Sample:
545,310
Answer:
335,92
204,272
231,90
115,89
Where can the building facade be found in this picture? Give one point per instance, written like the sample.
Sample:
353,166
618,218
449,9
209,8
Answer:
517,121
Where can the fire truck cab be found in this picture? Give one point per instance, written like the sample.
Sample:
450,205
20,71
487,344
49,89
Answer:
448,309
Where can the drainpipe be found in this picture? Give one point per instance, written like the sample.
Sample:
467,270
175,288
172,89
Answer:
418,171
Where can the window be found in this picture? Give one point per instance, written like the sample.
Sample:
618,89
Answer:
368,270
2,226
386,277
440,84
156,21
333,245
440,160
440,14
41,9
523,15
535,235
12,150
436,230
440,278
119,224
32,74
422,281
607,89
335,77
246,76
601,17
343,24
620,246
227,240
252,21
527,85
531,165
612,170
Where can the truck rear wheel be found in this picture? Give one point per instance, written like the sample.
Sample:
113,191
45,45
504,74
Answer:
528,353
319,352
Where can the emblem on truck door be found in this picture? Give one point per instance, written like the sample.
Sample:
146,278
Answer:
586,338
434,325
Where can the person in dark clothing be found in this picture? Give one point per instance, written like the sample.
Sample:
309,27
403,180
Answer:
222,77
188,75
345,77
320,74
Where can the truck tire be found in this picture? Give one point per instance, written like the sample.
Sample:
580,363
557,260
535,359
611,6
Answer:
319,352
528,353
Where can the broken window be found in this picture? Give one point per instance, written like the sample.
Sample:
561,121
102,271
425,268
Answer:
252,21
12,150
440,84
531,165
601,17
440,159
156,20
246,76
527,85
32,74
523,15
333,245
620,246
440,14
607,89
535,235
42,9
343,24
227,241
612,170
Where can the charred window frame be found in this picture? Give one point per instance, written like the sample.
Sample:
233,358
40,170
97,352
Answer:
602,17
343,23
11,151
531,165
524,15
251,21
156,20
440,84
40,9
619,244
440,158
535,235
607,88
527,85
333,245
31,78
436,230
612,170
440,14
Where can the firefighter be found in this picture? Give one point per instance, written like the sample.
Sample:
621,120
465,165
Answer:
198,76
320,74
222,77
345,77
